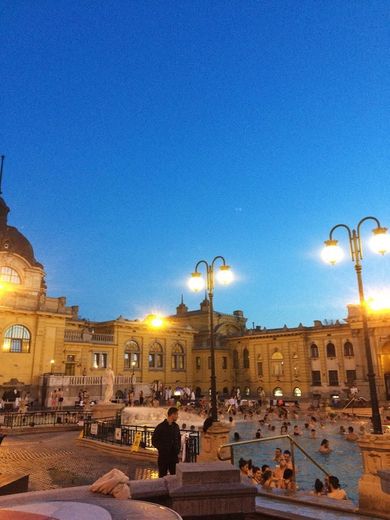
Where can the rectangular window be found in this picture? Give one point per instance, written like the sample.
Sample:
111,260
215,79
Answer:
209,362
316,378
178,362
131,360
333,378
197,363
224,362
100,359
70,365
260,368
351,376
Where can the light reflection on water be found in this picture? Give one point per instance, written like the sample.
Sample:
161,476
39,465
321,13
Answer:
344,461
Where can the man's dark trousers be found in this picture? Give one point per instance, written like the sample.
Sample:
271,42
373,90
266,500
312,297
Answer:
166,464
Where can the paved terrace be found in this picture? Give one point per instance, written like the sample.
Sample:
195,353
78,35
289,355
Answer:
54,460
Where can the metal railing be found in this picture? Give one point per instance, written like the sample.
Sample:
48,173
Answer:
293,444
112,432
42,418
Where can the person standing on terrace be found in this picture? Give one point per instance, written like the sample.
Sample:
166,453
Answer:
166,438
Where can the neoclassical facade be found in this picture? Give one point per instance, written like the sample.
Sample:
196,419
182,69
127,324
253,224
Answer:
44,343
323,360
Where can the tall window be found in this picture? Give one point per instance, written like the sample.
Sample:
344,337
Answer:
348,349
316,378
156,355
330,350
259,366
224,362
246,358
351,376
197,362
70,365
277,364
333,378
7,274
314,351
17,338
132,355
99,360
235,359
178,357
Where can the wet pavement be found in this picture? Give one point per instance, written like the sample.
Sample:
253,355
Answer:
55,460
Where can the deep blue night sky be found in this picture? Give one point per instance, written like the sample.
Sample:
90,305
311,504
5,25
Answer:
143,136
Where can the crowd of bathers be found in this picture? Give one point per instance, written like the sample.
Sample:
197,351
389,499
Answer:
283,476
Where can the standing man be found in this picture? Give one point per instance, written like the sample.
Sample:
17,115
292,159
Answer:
166,438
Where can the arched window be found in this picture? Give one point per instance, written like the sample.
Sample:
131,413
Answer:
235,359
7,274
277,364
297,392
277,392
17,338
178,357
132,355
330,350
348,349
260,391
314,351
156,355
246,358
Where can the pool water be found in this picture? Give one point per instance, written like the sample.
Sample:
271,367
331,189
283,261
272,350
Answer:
344,461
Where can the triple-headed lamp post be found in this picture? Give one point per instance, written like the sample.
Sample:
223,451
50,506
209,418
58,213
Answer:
332,253
224,276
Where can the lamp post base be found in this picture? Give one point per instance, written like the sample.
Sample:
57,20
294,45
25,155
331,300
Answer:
374,497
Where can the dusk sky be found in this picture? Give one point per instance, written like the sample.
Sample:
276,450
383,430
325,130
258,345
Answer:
143,136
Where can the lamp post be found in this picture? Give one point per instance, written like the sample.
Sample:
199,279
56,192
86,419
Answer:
197,283
332,252
52,366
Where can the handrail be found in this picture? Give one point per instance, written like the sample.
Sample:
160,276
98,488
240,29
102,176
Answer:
273,438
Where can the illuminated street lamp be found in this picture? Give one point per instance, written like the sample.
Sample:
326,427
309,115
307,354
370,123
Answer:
196,283
52,365
332,253
155,321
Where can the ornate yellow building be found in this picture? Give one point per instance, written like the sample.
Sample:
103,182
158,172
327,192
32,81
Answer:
45,345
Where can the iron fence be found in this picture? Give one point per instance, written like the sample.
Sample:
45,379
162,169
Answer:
111,431
43,418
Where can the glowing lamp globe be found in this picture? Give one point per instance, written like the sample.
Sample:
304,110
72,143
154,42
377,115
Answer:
225,275
332,252
196,283
380,241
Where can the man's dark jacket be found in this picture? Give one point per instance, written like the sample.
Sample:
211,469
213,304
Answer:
166,438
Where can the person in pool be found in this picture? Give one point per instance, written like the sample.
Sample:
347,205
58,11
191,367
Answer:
335,490
325,448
